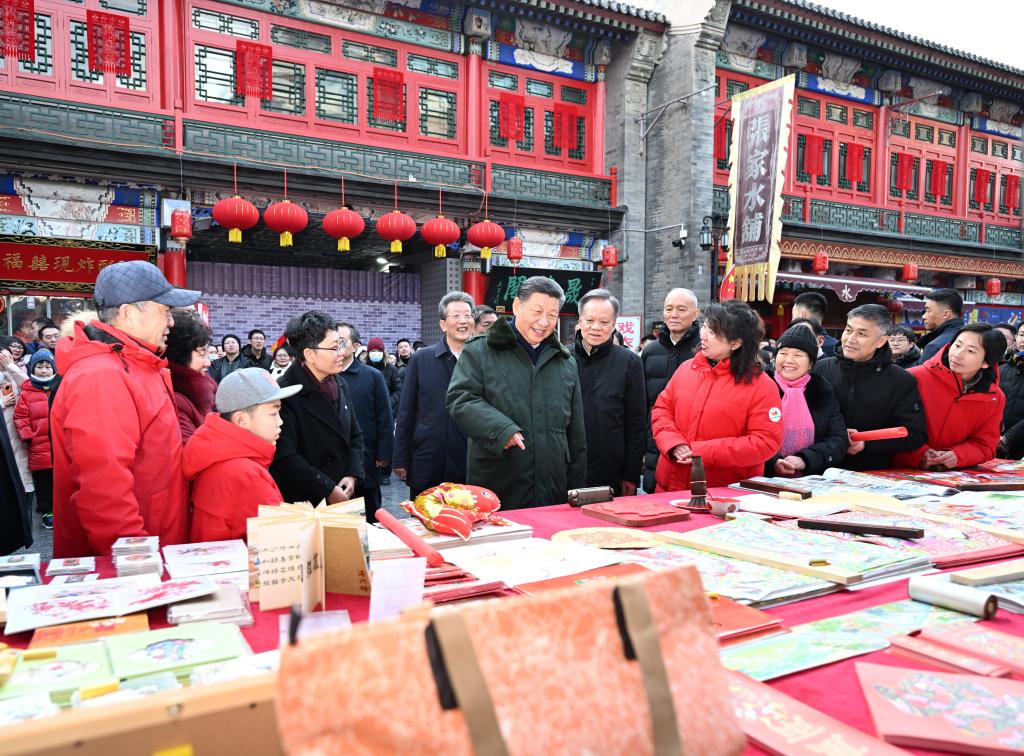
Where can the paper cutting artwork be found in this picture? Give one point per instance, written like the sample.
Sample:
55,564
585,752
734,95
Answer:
781,655
608,538
949,712
897,618
172,651
982,641
528,560
999,513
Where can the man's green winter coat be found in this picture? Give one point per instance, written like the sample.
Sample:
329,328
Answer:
496,391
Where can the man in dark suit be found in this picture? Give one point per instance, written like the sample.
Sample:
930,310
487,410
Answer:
320,452
429,447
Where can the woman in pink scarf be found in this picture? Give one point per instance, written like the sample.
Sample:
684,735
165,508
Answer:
813,430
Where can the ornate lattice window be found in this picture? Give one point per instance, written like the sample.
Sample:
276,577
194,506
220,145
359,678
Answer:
304,40
224,23
836,113
863,119
915,176
289,89
135,7
1003,208
864,185
337,96
733,87
825,179
432,66
437,113
807,106
137,79
899,127
947,138
502,80
494,117
215,75
80,55
923,133
379,56
540,88
574,95
381,123
580,153
971,202
43,64
999,149
929,169
1016,152
723,164
979,145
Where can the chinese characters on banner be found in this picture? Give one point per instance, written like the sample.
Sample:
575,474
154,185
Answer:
503,286
631,328
762,119
54,267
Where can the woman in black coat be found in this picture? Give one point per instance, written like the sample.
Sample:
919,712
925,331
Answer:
814,433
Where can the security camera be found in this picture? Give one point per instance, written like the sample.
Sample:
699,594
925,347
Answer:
678,243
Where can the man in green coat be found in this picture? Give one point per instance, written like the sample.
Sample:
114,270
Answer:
516,394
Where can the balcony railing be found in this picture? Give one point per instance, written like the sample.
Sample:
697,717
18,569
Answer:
866,219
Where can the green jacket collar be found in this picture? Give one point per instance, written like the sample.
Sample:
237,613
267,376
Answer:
501,336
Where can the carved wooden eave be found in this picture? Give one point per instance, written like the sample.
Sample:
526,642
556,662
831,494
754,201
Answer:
893,257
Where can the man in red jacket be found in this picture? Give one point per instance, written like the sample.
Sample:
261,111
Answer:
227,457
116,444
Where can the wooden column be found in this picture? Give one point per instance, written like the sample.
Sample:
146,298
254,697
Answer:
477,112
599,117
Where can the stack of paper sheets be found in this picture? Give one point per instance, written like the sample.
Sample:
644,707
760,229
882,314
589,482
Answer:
73,566
135,545
213,558
60,675
528,560
227,604
138,564
174,649
383,544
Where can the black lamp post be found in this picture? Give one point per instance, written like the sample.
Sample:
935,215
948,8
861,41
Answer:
714,235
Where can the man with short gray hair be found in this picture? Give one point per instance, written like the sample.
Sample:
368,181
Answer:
517,396
429,447
614,398
117,451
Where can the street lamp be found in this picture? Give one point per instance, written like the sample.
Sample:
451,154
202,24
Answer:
714,235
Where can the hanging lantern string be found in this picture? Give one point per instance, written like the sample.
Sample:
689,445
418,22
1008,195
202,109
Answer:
487,213
396,195
234,174
286,183
439,211
343,191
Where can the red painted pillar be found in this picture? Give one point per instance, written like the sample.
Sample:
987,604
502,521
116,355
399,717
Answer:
880,163
599,105
174,267
477,108
474,283
962,169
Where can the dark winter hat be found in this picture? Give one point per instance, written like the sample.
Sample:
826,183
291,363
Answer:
376,345
41,355
139,281
802,338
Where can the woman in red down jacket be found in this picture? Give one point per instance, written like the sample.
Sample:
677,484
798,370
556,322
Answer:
720,405
188,361
963,404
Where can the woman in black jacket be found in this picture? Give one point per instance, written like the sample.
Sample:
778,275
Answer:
814,433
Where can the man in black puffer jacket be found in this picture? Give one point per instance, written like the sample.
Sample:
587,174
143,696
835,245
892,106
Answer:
1011,381
677,342
873,393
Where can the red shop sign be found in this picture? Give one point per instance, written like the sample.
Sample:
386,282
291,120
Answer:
41,266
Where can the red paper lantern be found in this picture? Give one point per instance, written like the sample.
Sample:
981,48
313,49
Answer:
609,256
236,215
909,273
486,234
993,287
820,263
396,227
514,249
894,306
343,224
285,218
181,225
439,232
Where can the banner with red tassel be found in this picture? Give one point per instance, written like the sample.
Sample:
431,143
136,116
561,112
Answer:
854,163
388,94
721,138
937,186
109,43
565,128
904,171
254,70
511,116
1012,192
18,29
981,179
814,149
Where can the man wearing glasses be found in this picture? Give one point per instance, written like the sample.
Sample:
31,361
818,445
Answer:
903,344
320,452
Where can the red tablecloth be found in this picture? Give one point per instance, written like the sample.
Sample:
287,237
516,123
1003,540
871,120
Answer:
832,689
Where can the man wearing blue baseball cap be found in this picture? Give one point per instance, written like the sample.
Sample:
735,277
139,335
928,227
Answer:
117,451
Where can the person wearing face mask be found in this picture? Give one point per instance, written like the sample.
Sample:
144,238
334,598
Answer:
32,420
813,430
614,398
720,406
963,404
377,358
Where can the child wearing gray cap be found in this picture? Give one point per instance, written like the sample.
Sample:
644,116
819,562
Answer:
227,457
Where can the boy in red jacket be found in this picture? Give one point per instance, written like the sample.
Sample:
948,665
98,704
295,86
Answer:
227,457
32,419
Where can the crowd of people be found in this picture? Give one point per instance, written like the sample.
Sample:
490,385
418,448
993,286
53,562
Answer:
135,422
